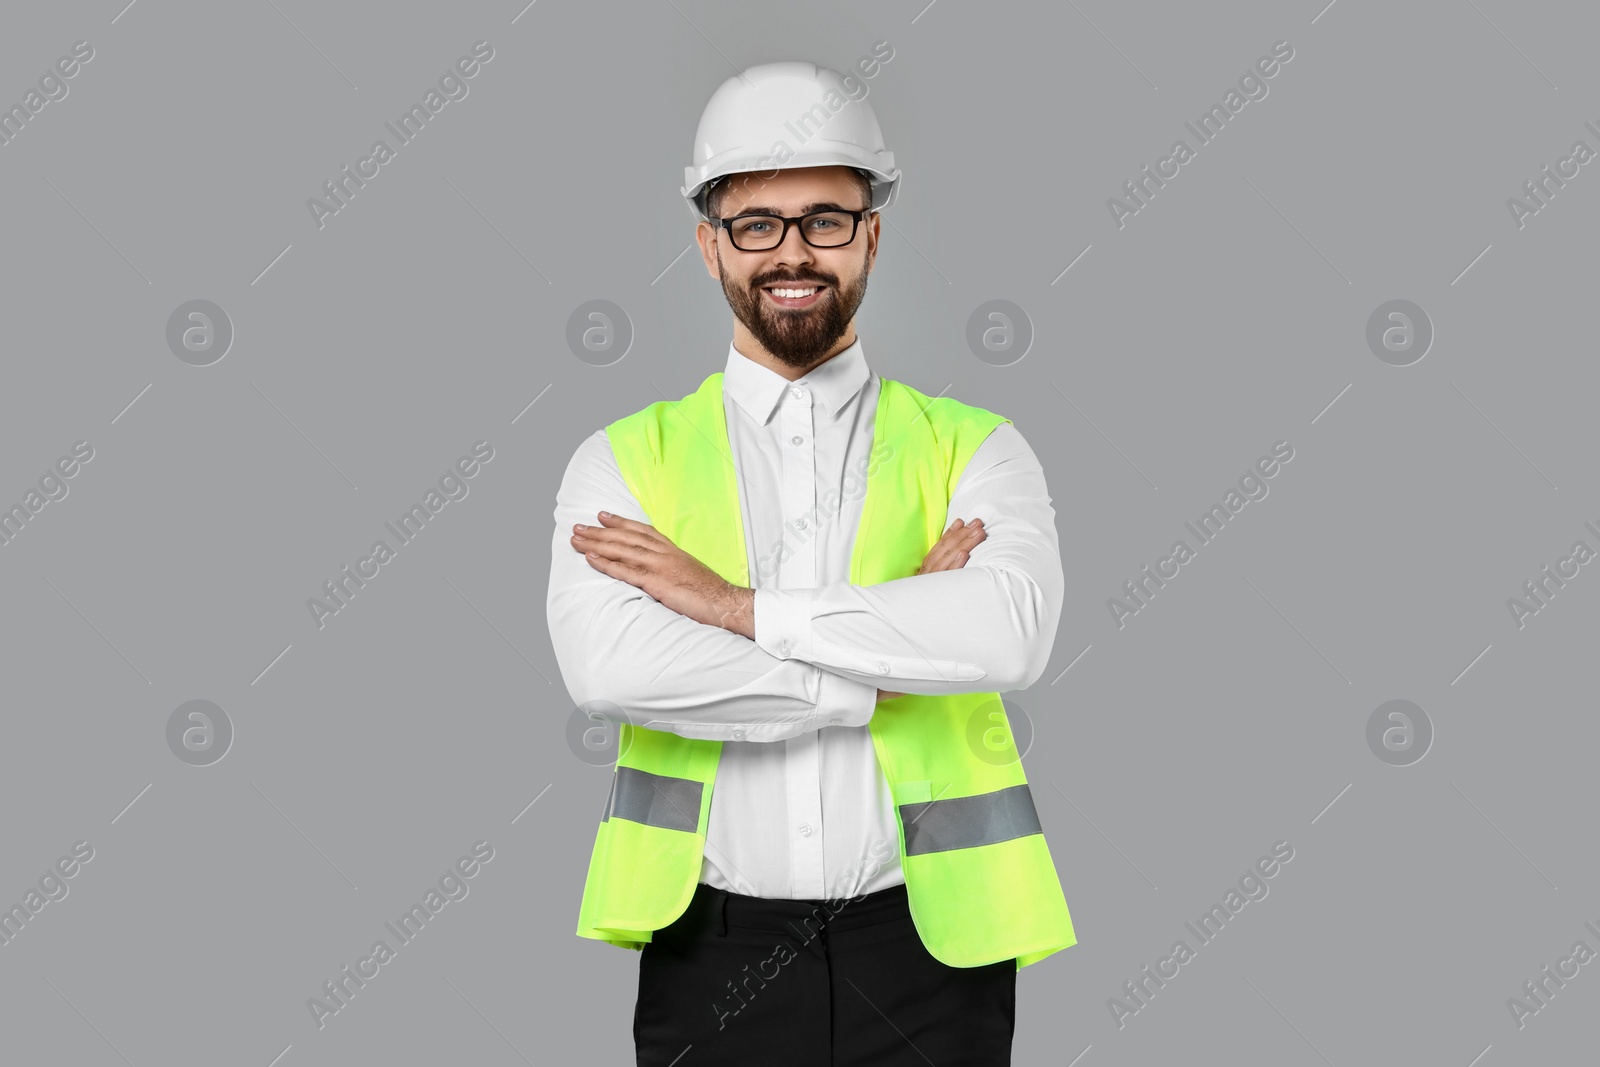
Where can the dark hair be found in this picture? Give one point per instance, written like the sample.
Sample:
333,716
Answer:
719,189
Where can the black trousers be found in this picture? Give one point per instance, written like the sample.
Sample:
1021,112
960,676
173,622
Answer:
809,983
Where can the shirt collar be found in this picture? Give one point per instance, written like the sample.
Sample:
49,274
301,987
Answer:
758,389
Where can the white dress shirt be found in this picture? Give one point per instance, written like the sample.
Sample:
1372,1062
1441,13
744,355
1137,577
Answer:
800,808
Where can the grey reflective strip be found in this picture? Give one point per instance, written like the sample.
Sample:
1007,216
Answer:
655,799
966,822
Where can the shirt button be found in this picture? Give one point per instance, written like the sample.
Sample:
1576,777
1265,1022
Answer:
805,830
783,647
883,668
796,439
738,735
798,394
799,524
833,722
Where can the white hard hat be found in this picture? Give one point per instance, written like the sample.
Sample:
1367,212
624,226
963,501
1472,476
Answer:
782,116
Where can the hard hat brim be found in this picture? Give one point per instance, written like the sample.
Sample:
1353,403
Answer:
879,166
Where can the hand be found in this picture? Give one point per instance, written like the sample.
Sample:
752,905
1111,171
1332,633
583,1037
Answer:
952,551
639,554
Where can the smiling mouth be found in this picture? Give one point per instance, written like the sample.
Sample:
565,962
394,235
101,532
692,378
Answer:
794,295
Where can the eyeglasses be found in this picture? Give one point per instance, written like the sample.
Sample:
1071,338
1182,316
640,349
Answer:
820,229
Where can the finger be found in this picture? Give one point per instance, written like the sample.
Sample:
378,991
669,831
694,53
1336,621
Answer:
938,557
601,563
961,534
640,556
640,532
587,542
956,558
600,535
965,537
621,570
941,556
617,532
598,549
617,522
611,549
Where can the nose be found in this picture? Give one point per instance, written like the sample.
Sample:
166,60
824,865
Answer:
793,249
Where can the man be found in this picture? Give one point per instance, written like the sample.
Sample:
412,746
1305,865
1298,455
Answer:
871,874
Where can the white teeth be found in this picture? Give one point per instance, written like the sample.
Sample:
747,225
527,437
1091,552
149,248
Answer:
793,293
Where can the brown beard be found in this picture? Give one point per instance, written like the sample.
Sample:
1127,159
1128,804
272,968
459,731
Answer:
797,337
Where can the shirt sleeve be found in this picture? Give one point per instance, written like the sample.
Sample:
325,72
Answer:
665,671
987,626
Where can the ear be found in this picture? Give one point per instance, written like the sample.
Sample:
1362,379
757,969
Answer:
706,236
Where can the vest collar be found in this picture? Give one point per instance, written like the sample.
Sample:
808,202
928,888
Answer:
757,389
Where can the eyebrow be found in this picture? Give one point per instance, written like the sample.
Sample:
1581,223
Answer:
826,205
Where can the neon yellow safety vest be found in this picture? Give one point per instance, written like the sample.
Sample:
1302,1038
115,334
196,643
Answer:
979,878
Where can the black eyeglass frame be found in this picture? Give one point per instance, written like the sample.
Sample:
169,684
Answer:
856,218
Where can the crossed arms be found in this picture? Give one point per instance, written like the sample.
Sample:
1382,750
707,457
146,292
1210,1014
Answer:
645,626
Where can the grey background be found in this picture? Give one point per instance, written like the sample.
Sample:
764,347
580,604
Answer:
1228,314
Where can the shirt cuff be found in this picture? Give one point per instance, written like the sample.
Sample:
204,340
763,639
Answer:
844,701
783,622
